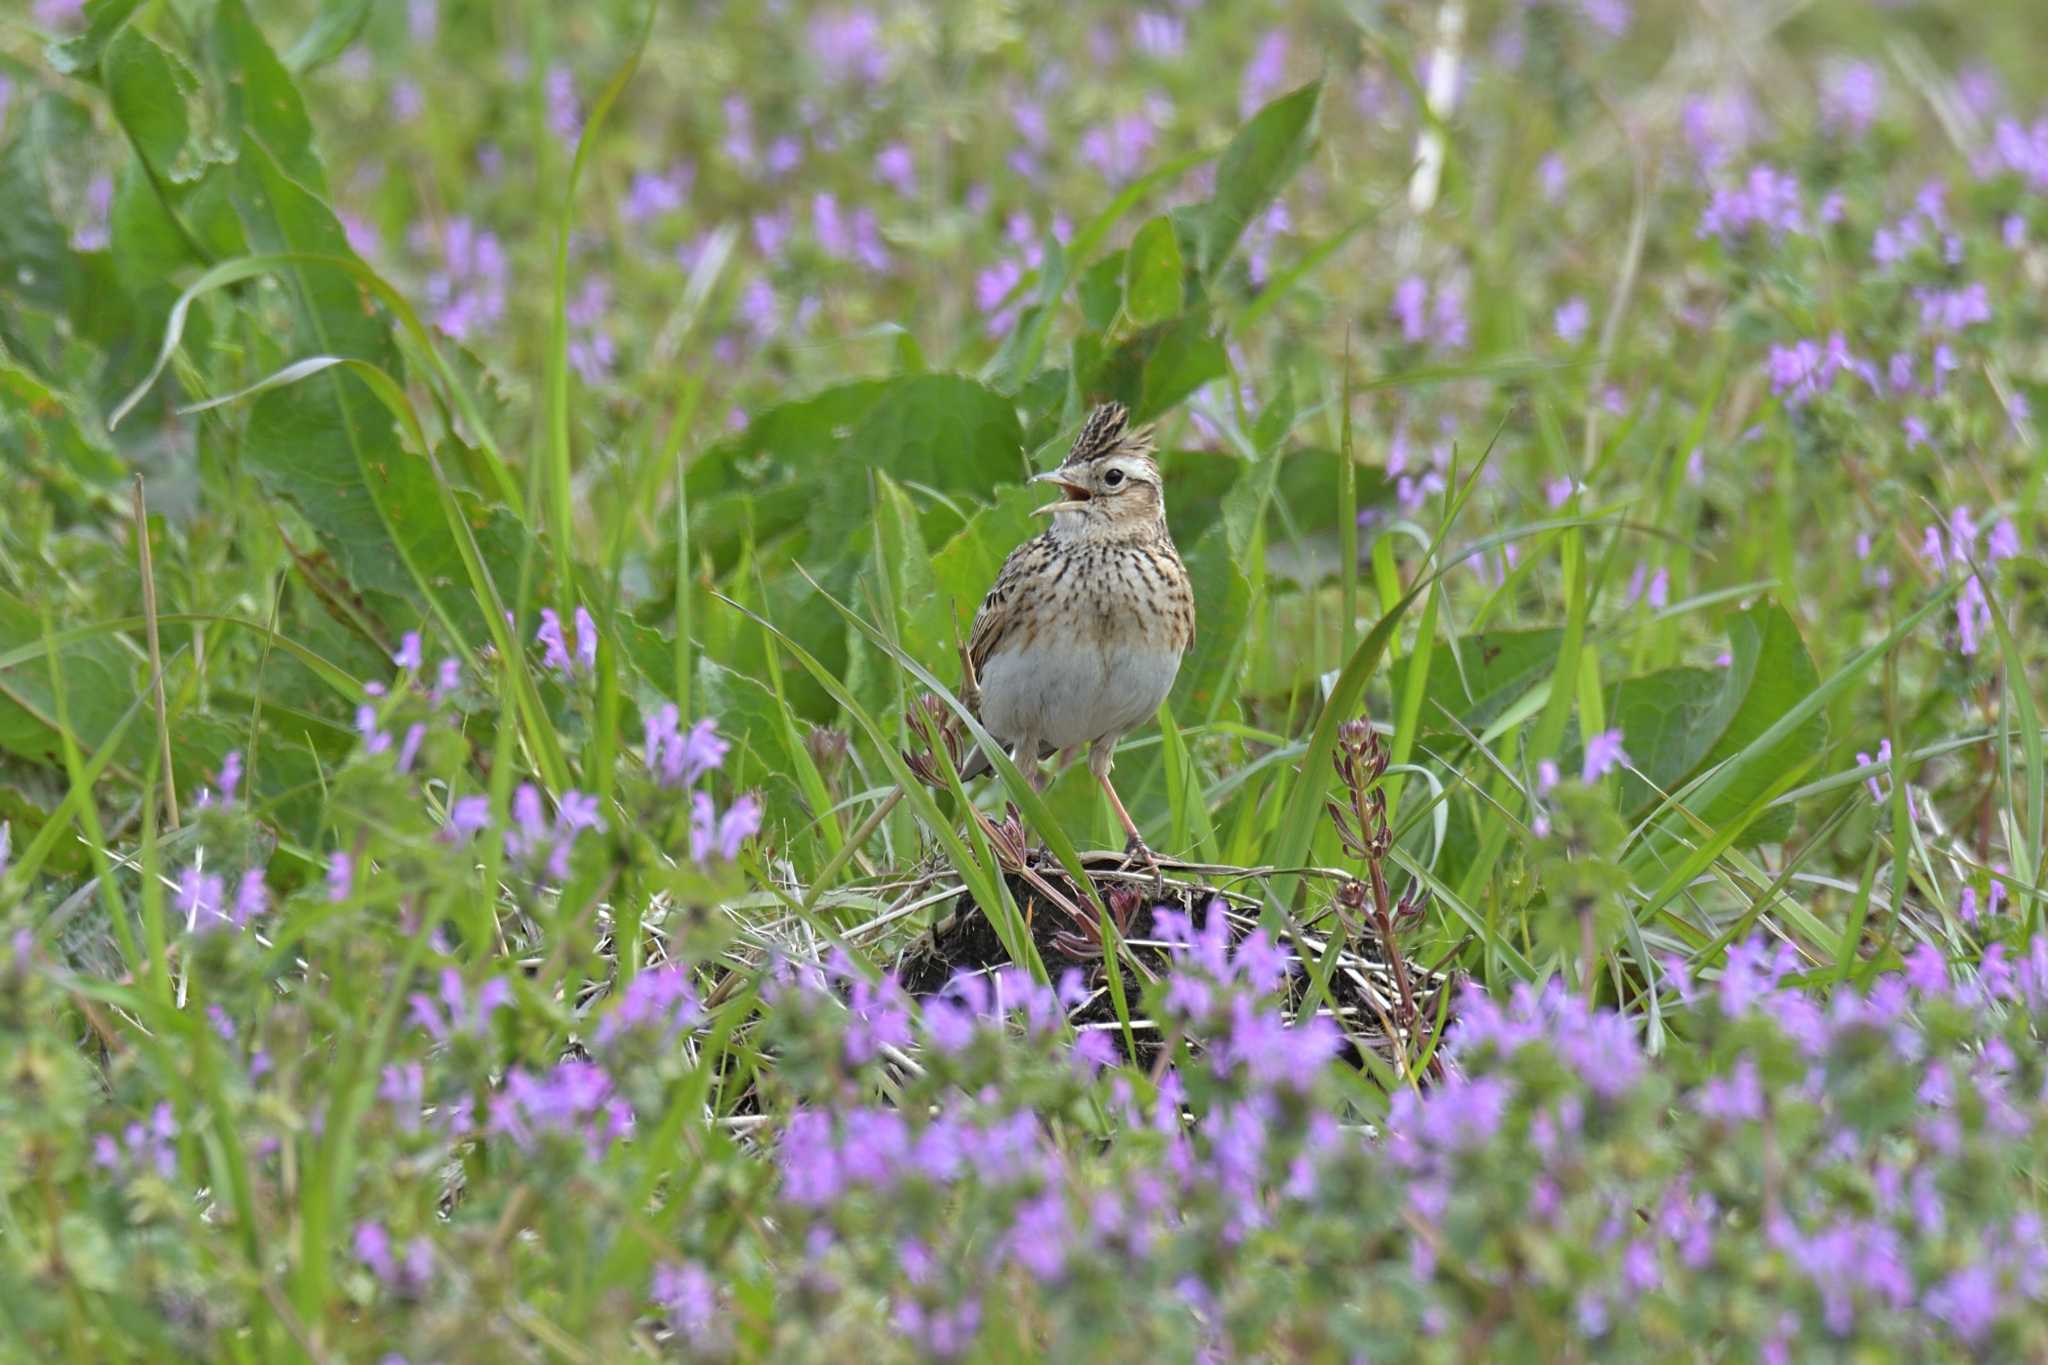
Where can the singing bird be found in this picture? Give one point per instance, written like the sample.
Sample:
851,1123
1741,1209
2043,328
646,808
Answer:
1083,633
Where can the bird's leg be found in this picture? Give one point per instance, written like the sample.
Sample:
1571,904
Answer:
1099,760
1025,756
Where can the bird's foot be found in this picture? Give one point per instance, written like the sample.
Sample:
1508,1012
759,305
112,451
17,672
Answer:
1136,851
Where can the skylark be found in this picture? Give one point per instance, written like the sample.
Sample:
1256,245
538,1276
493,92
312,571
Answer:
1080,638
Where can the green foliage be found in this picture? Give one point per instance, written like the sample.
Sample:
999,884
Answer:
1680,722
1259,161
486,410
1152,275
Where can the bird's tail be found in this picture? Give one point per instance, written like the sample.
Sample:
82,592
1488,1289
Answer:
977,764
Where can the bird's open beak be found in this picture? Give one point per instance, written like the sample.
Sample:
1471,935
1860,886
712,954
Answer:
1076,495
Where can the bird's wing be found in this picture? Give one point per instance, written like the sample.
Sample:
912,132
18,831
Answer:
1001,612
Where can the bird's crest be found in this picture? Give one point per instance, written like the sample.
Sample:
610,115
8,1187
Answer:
1108,432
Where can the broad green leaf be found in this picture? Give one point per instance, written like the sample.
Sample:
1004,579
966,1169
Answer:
1152,275
148,89
963,570
1197,481
1101,292
1308,481
1222,603
1259,161
330,33
101,677
763,481
749,716
1185,356
329,444
35,249
1667,723
262,101
39,424
147,246
1776,673
941,432
1476,677
80,55
1679,722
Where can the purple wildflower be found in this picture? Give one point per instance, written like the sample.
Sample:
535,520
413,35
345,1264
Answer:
1411,301
678,759
466,293
1766,198
565,115
655,194
687,1297
575,1099
1571,320
724,834
1603,754
341,876
1264,73
663,996
530,839
847,46
468,816
373,1248
199,899
1160,36
1850,97
895,167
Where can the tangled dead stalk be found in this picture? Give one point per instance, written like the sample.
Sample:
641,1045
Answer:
1361,760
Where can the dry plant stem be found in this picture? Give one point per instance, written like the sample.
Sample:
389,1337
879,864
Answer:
861,834
1384,915
1029,874
156,655
1589,955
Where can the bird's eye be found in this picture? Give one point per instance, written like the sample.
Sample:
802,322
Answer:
1112,478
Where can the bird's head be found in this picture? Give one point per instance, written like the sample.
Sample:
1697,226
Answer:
1109,481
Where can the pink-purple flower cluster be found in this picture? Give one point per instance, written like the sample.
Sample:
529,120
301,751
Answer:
574,1099
203,902
532,841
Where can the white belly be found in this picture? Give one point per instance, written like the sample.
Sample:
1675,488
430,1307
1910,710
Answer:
1069,694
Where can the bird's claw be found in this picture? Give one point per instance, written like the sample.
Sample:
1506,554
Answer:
1136,850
